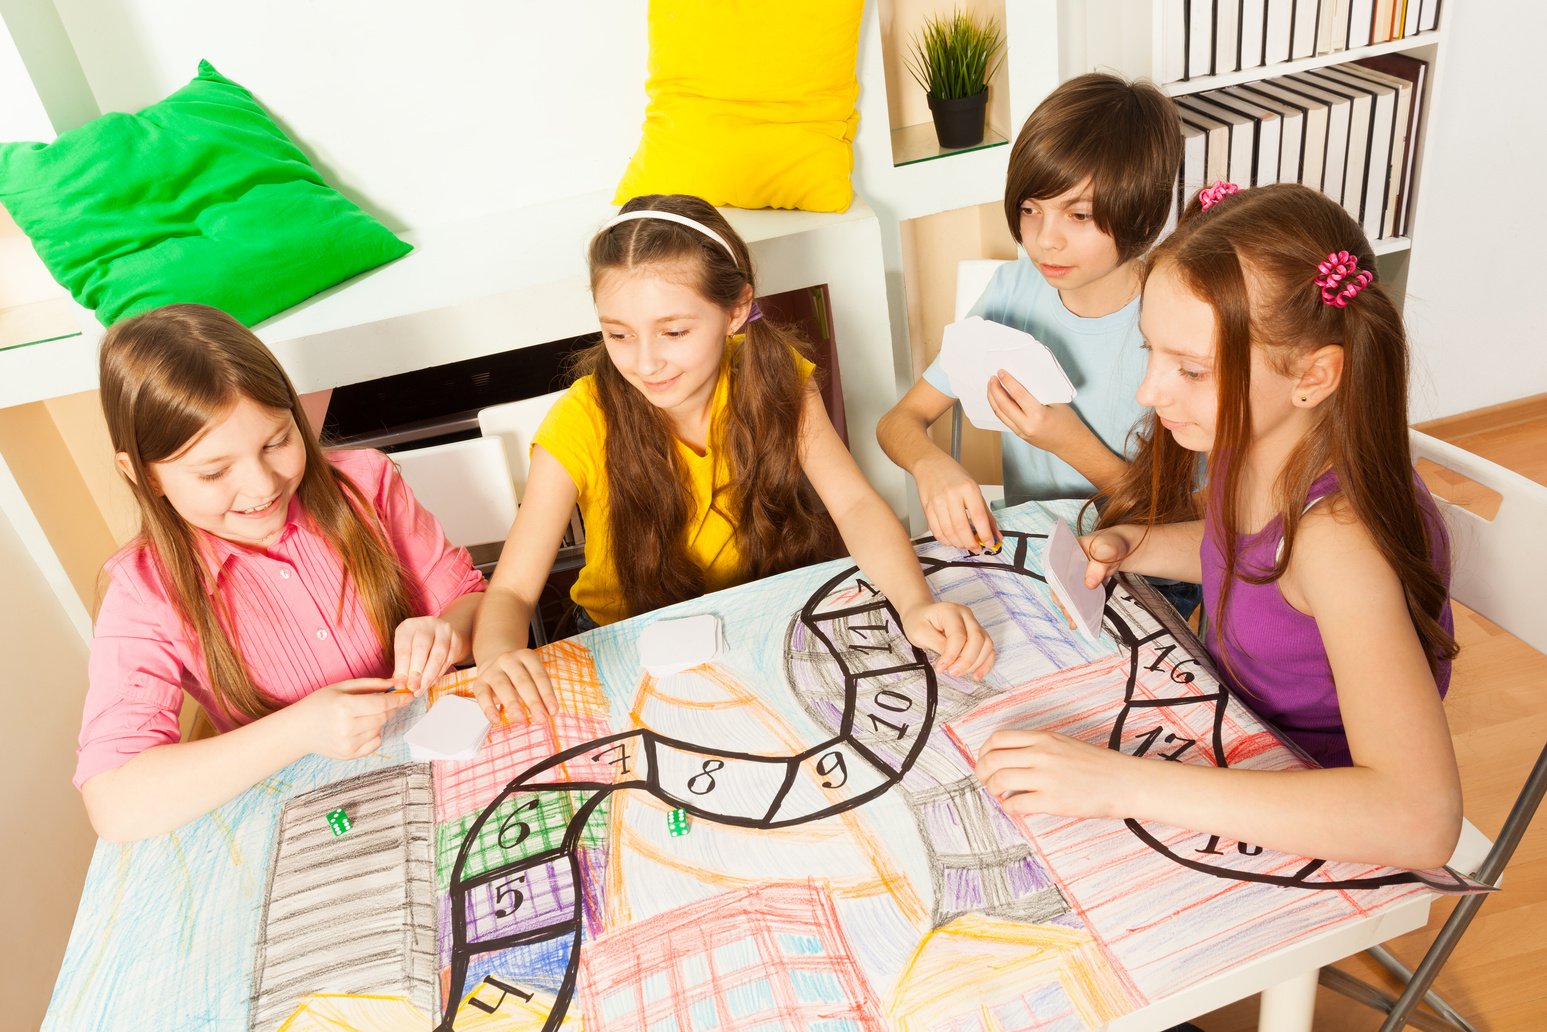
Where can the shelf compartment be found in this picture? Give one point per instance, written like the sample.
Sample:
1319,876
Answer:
915,143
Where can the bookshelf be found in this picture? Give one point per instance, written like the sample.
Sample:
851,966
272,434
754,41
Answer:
1150,39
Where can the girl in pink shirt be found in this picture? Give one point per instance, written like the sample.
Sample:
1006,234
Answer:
1275,352
290,592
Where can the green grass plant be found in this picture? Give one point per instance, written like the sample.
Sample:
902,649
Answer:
954,55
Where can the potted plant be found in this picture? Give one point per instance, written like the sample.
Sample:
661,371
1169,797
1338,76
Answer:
952,57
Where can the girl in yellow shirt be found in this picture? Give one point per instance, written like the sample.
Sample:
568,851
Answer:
700,454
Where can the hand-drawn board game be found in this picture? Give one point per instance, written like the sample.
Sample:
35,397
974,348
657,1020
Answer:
787,837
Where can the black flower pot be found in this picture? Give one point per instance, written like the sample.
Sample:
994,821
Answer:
959,122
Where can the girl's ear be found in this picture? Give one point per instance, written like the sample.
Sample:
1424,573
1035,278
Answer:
742,310
1320,377
121,460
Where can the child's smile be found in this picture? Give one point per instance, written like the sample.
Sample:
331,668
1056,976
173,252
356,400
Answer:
666,339
237,478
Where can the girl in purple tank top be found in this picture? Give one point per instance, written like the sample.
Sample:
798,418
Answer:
1324,563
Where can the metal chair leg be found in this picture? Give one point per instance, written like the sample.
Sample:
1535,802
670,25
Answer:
1492,867
1376,999
1432,999
956,431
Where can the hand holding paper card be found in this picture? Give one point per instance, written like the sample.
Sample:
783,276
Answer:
453,729
1064,565
673,645
975,349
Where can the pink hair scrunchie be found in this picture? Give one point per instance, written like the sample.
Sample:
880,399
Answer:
1341,279
1212,195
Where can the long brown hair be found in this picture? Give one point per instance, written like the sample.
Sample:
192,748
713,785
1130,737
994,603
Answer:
779,522
165,377
1253,260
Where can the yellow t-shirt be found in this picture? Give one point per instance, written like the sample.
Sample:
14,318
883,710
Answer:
575,433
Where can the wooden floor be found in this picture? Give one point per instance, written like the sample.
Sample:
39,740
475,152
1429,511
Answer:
1497,708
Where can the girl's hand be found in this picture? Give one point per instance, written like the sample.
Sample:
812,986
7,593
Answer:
1105,551
950,630
1053,428
516,682
423,649
954,505
1046,772
344,721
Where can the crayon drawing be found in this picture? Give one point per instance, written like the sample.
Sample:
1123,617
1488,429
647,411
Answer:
840,867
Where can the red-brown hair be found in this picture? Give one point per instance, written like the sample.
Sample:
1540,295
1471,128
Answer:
165,377
1253,260
779,522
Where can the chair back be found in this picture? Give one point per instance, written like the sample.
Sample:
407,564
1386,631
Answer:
466,484
1497,565
513,425
972,276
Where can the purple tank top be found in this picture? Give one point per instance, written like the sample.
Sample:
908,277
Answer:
1276,650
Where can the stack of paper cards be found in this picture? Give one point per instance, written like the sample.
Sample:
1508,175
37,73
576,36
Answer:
1064,565
670,646
975,349
453,729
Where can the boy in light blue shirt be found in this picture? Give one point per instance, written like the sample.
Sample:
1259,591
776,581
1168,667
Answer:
1090,184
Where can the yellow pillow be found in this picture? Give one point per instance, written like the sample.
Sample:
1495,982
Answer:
751,103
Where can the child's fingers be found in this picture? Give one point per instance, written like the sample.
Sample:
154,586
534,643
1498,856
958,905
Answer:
402,646
543,687
365,685
483,694
953,642
948,521
984,531
983,662
1104,555
438,659
1015,391
367,747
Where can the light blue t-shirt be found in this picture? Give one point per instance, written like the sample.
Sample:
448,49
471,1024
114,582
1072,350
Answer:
1102,358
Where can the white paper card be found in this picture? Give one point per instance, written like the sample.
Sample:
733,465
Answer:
672,645
453,729
1064,565
975,349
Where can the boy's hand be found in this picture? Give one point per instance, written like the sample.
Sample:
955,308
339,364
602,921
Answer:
1105,551
951,631
1053,428
344,721
954,505
516,683
423,649
1046,772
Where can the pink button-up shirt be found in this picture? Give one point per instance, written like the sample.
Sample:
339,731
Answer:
285,607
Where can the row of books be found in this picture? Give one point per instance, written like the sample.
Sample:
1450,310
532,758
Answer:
1213,37
1347,130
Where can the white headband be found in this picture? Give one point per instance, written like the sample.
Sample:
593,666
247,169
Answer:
670,216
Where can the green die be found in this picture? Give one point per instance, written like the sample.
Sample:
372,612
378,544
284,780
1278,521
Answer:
677,823
339,821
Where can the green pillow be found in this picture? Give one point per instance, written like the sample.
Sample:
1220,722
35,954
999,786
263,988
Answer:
197,198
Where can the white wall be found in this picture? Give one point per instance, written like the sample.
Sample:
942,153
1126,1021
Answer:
1475,280
425,113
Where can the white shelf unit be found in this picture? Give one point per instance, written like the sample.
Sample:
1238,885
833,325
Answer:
1127,37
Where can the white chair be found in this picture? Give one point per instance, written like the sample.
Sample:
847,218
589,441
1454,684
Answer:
1497,568
513,425
466,484
972,276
